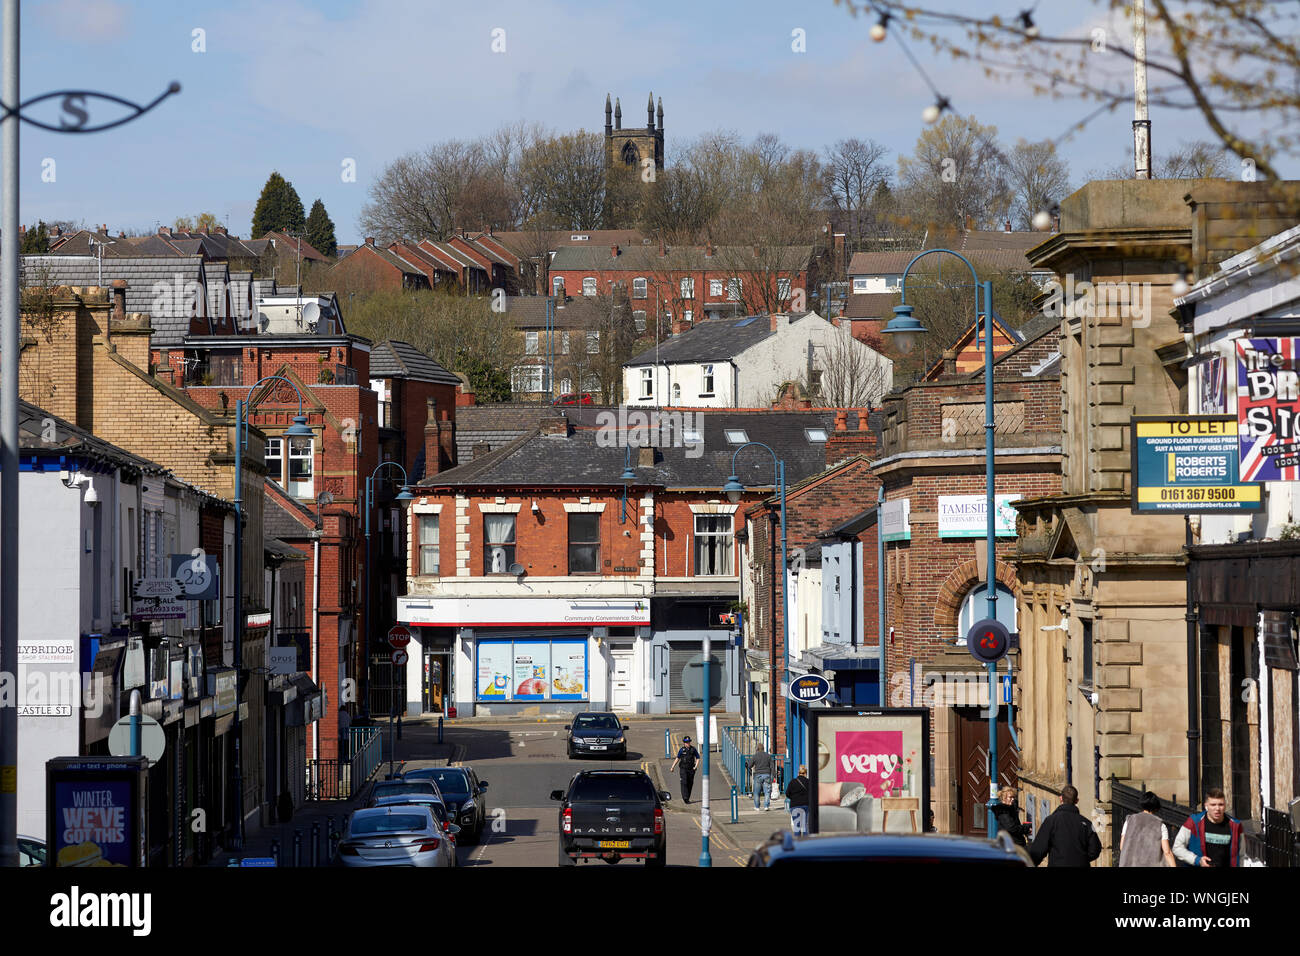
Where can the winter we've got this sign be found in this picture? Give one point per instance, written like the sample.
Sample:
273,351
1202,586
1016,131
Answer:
1268,409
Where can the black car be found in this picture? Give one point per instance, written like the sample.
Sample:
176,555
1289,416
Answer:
462,791
599,734
612,815
783,849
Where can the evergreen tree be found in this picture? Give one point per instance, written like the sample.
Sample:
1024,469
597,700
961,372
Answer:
278,208
320,230
36,241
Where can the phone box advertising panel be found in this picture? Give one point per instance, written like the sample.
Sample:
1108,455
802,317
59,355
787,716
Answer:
872,770
95,811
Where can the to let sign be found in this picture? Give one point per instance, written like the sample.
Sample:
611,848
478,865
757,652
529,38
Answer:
1187,464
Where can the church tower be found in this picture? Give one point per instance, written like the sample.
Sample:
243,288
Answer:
629,147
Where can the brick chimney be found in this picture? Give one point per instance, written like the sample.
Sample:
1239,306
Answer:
613,252
970,222
164,230
708,250
479,450
433,451
119,300
556,425
845,442
949,363
661,249
1008,225
370,240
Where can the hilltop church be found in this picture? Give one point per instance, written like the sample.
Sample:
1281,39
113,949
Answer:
631,147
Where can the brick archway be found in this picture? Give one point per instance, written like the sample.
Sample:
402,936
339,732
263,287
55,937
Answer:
947,606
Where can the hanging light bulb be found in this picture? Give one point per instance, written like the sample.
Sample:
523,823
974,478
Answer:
880,29
932,112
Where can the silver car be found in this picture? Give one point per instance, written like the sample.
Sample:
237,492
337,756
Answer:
441,815
390,788
397,835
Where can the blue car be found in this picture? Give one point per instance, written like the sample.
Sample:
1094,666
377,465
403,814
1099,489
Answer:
783,848
597,734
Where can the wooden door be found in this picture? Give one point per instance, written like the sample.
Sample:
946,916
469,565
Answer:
972,766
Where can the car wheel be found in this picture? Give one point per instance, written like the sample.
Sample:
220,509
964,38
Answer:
565,859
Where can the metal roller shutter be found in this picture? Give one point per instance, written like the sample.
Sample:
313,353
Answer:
686,671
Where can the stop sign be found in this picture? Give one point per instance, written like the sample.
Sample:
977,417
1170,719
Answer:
399,636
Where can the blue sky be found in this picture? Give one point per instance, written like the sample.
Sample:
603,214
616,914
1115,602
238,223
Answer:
302,87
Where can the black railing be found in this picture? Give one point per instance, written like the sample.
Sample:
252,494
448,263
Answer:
1280,847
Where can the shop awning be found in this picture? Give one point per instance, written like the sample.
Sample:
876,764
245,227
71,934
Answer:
308,706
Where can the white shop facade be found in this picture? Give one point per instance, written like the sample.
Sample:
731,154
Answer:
527,656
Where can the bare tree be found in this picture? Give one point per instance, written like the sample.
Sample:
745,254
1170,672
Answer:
855,174
1039,179
1190,159
564,177
849,374
958,172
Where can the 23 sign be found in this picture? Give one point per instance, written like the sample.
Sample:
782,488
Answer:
199,575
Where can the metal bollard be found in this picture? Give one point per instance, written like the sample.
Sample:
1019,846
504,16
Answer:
735,805
315,843
275,851
334,841
667,746
439,730
297,846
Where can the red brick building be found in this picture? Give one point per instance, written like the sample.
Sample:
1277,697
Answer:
370,268
932,465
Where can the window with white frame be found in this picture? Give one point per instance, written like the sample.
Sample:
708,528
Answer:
782,289
301,467
557,285
498,543
593,343
860,284
688,317
706,379
530,343
687,286
429,562
639,287
528,378
733,290
638,320
713,545
715,287
647,382
589,285
275,459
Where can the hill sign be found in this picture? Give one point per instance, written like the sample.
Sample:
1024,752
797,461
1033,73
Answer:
809,689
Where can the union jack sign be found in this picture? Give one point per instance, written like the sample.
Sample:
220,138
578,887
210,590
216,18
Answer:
1268,409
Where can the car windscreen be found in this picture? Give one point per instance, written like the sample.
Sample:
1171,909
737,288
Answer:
595,722
389,823
449,780
387,789
612,788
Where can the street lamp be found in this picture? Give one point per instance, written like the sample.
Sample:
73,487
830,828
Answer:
403,496
299,429
905,328
733,490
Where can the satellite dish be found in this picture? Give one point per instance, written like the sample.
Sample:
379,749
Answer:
263,321
517,569
311,313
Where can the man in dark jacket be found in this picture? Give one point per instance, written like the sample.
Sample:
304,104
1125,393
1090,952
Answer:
1066,837
797,793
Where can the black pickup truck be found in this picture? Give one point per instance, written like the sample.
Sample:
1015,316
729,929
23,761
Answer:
612,815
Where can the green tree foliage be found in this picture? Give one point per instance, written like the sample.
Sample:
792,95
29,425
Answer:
278,208
320,230
36,240
460,333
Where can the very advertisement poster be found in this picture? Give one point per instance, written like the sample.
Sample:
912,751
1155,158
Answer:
872,770
95,826
1268,409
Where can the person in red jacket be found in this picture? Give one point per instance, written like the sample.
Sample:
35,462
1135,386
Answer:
1211,837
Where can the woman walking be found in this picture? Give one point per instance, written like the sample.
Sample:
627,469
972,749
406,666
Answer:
1144,841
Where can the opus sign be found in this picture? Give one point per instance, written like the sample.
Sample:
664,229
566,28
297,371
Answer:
1188,464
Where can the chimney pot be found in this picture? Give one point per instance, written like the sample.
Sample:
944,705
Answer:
950,362
708,250
613,252
370,240
119,300
1008,225
841,421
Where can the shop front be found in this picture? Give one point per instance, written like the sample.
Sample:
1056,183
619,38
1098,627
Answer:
525,656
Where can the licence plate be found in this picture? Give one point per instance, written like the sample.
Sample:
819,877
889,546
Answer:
598,746
615,844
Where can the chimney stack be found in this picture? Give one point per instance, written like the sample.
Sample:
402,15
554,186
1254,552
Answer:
708,250
556,425
645,456
949,362
164,230
119,300
661,248
1008,225
432,443
370,240
613,252
845,442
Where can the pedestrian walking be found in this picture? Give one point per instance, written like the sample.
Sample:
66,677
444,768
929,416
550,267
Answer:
1007,815
1211,837
1066,837
1144,839
797,794
760,766
684,763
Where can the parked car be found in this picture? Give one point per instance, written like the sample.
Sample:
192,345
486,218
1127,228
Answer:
573,398
398,787
397,835
31,852
612,815
463,792
784,848
597,733
435,805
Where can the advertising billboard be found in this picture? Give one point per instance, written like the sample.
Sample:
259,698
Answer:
871,772
1268,409
1187,464
95,813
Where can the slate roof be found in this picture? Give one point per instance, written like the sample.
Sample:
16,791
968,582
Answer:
217,245
217,275
285,517
288,245
171,322
871,305
586,458
714,340
529,312
646,259
241,290
401,360
496,424
525,242
993,249
853,526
